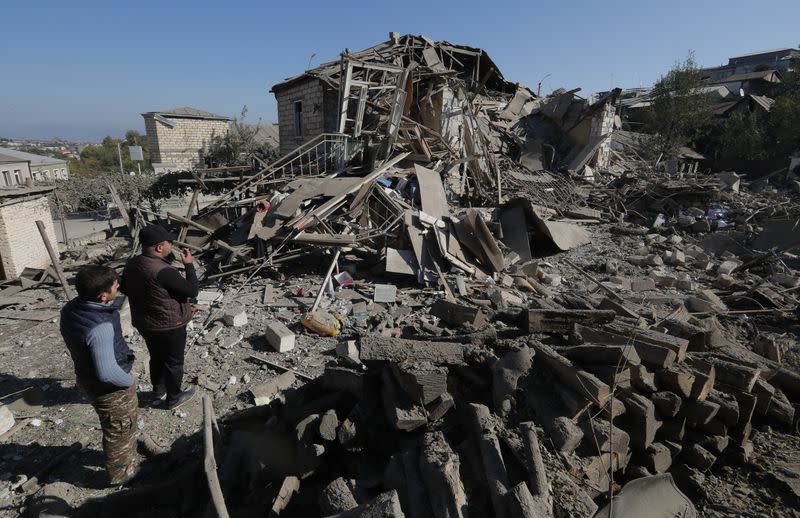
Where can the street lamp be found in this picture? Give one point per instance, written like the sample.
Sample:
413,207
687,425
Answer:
539,87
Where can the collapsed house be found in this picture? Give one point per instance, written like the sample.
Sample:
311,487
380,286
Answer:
463,365
411,148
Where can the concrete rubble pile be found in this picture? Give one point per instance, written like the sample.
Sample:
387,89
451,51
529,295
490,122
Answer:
439,162
506,384
518,319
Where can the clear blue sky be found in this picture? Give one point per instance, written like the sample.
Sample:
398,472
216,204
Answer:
83,70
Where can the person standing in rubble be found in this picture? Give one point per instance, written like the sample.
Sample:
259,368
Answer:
160,310
91,328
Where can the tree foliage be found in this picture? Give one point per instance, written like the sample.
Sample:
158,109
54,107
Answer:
241,142
82,193
760,135
679,109
784,117
104,157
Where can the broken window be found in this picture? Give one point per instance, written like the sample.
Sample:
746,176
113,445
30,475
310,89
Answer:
298,118
7,178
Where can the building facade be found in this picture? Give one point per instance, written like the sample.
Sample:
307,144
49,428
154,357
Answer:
307,107
13,170
179,139
21,244
40,167
777,60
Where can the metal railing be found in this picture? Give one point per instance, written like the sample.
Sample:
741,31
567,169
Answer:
324,154
327,153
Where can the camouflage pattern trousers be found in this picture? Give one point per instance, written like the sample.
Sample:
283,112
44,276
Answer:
117,411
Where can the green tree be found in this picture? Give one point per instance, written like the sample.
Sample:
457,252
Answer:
240,143
680,109
744,136
104,157
784,117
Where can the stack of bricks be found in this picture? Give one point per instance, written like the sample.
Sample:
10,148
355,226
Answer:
21,244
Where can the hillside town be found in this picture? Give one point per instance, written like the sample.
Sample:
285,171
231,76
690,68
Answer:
426,290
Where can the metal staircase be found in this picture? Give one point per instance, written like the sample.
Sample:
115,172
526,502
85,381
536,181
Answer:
327,153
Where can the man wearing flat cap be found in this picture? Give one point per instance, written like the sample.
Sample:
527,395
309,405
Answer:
160,310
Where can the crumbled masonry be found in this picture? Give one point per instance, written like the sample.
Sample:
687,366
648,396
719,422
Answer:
474,301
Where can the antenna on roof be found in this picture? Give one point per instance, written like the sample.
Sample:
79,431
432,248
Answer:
309,60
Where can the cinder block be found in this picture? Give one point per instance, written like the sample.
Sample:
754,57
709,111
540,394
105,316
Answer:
279,337
348,349
236,318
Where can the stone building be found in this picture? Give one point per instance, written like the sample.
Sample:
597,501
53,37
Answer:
13,170
776,60
309,103
21,244
307,106
39,167
179,138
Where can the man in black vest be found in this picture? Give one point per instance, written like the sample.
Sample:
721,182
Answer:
91,329
160,310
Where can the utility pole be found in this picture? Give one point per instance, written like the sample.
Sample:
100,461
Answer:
119,153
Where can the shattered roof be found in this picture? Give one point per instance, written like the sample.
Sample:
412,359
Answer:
187,112
393,52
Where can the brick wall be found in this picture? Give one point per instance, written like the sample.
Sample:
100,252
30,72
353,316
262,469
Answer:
185,143
152,139
21,243
603,124
311,93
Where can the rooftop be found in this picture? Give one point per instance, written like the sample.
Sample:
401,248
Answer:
405,48
35,160
772,76
4,159
187,112
768,51
20,191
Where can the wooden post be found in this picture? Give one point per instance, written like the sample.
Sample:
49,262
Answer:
123,209
210,463
54,260
195,195
325,281
187,221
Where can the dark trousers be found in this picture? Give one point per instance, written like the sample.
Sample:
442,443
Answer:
166,350
117,412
